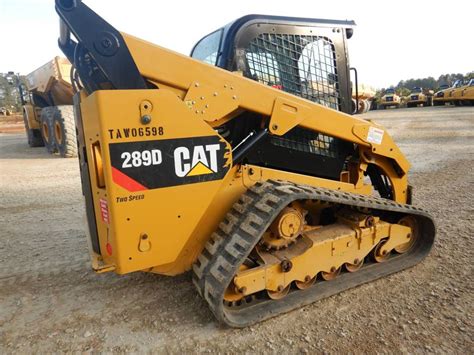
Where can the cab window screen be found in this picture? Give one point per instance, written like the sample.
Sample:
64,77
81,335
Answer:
264,68
301,65
208,48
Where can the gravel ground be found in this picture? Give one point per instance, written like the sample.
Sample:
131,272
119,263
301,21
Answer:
51,301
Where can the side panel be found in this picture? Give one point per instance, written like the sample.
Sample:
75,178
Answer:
84,159
151,184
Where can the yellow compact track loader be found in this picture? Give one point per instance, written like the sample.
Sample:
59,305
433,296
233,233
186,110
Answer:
240,163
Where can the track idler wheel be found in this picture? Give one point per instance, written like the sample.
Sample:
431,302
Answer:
408,221
379,254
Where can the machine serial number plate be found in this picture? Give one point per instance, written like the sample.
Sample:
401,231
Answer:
138,166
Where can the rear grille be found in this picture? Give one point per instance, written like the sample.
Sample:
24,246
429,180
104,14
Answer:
308,141
414,97
389,98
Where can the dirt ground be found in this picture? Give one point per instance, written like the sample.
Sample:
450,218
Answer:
51,301
11,124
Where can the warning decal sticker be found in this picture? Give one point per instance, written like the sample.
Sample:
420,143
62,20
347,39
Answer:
138,166
375,135
104,210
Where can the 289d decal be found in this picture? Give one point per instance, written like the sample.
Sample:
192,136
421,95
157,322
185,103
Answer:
153,164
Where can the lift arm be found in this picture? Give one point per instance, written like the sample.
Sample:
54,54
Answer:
108,59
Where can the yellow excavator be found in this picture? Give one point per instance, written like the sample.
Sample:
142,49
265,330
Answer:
240,163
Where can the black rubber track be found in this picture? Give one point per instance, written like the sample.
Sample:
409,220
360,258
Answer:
248,219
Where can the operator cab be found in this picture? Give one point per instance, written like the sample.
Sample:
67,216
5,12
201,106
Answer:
305,57
301,56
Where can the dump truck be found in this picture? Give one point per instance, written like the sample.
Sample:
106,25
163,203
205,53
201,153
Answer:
47,108
390,99
418,96
242,163
362,98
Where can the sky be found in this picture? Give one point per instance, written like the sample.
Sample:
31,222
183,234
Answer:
409,39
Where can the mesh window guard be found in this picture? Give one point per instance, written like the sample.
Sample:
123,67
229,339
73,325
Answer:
301,65
304,66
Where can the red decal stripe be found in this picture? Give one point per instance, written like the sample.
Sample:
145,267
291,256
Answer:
126,182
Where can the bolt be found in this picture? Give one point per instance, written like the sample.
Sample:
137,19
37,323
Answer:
144,236
106,43
280,288
202,97
243,289
234,97
146,119
307,278
215,94
408,235
275,127
384,252
251,171
369,221
333,269
356,261
286,265
196,85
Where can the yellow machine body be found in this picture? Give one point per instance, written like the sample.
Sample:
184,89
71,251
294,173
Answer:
164,229
247,172
464,93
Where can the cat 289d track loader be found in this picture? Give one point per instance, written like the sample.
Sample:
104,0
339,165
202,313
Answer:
241,164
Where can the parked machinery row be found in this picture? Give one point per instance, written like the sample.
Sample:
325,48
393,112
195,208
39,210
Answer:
460,94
